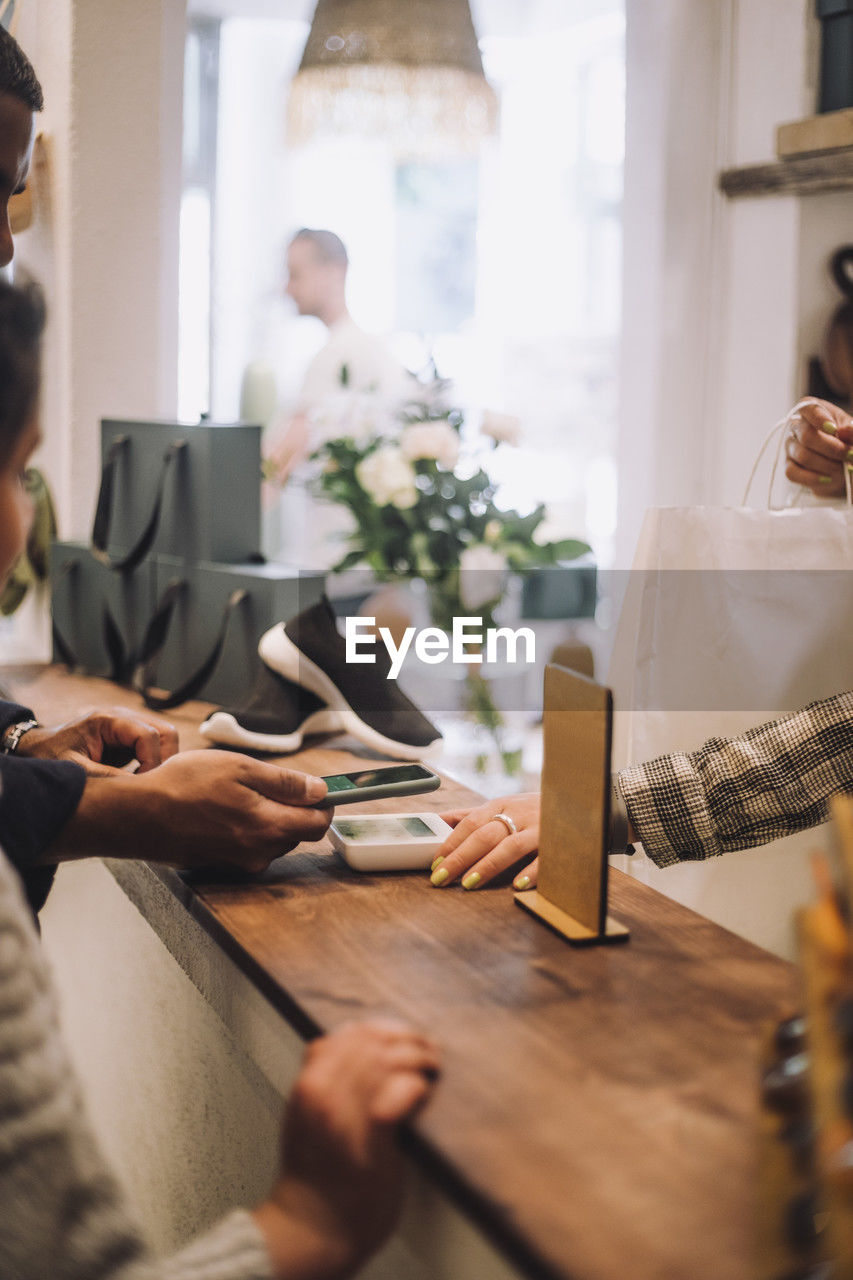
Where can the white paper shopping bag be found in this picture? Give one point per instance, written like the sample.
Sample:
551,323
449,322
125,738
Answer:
732,616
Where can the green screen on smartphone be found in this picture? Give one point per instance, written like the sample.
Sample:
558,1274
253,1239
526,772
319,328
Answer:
401,779
376,777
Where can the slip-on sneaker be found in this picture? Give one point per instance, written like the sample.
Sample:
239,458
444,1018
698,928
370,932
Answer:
310,650
278,715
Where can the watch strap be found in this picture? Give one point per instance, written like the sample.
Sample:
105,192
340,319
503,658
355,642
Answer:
12,736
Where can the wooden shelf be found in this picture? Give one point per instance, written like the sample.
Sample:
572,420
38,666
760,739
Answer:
802,176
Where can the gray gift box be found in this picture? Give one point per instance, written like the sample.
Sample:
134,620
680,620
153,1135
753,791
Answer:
274,593
211,487
565,590
85,596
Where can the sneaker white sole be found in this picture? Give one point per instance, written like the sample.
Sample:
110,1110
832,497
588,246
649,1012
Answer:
278,651
226,730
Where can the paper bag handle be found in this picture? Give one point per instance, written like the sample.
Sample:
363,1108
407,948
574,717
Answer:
780,432
154,641
121,662
104,509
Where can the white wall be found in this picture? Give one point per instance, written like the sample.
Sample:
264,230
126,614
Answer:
45,33
674,51
105,245
723,303
722,299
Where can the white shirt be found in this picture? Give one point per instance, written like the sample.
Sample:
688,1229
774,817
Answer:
311,531
369,364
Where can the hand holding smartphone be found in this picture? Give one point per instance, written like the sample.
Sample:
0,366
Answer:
374,784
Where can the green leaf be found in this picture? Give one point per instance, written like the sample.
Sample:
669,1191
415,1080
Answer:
569,549
349,561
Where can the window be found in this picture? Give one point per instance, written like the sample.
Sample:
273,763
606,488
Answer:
506,270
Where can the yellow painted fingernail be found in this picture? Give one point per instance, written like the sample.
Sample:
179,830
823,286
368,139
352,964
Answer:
522,882
439,877
824,479
471,880
849,455
437,862
831,428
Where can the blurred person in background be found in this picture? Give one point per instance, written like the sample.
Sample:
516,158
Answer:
352,363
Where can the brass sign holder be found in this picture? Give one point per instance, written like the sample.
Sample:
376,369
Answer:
574,837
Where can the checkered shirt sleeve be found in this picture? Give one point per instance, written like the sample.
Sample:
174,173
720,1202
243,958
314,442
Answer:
735,793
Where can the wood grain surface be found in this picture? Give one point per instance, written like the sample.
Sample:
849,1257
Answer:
597,1111
800,175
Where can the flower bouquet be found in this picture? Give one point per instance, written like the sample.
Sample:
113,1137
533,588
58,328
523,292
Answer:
424,507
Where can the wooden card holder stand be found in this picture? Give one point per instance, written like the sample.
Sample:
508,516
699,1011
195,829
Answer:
574,837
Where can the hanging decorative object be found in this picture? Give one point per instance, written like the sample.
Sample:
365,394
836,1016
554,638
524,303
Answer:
408,71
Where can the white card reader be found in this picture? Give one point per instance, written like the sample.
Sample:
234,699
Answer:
389,841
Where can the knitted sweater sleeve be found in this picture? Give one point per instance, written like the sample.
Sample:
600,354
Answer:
64,1215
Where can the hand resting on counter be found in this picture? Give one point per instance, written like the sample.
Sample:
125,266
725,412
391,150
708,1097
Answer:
102,740
341,1185
480,846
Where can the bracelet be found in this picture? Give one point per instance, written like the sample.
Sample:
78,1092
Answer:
13,735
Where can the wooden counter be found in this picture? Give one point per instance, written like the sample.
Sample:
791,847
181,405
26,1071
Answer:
596,1114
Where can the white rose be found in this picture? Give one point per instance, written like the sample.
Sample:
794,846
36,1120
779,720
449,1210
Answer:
404,499
436,440
482,571
388,478
352,415
501,427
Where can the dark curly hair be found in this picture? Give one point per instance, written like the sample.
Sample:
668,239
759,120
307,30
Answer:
17,76
22,319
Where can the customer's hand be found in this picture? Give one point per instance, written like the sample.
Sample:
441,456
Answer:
102,740
481,846
820,447
285,449
199,809
341,1187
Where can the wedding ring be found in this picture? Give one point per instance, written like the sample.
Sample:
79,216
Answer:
506,820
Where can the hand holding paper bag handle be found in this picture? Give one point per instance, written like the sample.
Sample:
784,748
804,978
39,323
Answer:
816,437
819,449
104,509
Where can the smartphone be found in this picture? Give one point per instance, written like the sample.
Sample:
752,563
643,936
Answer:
373,784
389,841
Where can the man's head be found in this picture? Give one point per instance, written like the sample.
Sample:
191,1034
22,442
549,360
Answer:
20,99
317,271
22,316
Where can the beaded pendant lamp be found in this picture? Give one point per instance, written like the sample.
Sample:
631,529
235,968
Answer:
408,71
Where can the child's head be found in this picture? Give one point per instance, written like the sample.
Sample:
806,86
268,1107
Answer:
22,316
